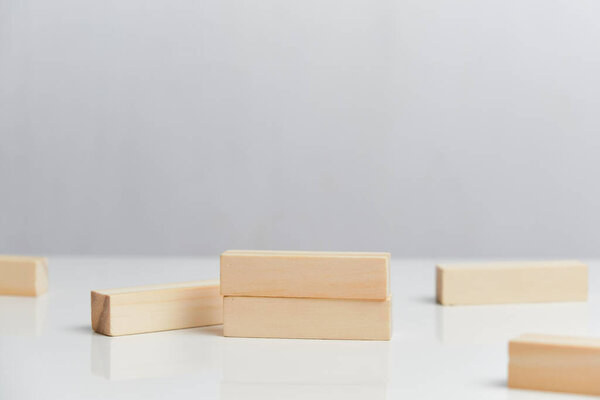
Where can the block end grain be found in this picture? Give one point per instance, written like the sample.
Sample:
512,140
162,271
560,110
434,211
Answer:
439,289
101,313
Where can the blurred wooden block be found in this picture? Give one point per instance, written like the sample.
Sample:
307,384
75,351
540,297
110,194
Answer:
293,318
511,282
154,308
305,274
23,276
555,363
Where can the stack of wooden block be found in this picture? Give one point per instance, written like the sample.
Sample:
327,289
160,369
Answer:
306,295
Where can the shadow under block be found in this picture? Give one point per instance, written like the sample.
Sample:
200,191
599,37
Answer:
23,276
326,275
511,282
555,363
155,308
294,318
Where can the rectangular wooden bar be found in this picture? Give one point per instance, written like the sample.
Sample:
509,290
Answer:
295,318
511,282
154,308
555,363
23,276
305,274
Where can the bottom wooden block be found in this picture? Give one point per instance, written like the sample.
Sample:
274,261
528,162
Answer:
295,318
555,363
156,308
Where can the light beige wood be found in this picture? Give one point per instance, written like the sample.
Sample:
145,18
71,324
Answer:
305,274
154,308
511,282
23,276
555,363
295,318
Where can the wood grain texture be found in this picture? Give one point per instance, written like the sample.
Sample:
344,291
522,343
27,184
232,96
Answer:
23,276
305,274
295,318
154,308
555,363
511,282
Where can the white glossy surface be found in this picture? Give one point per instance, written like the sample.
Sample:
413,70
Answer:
48,351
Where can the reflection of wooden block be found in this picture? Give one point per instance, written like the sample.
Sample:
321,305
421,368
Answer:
312,391
23,316
341,362
512,282
159,355
156,308
305,274
23,276
492,324
555,363
294,318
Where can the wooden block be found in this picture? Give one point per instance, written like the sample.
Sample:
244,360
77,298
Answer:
555,363
23,276
305,274
294,318
154,308
511,282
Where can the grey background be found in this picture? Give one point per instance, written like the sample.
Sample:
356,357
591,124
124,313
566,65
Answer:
421,127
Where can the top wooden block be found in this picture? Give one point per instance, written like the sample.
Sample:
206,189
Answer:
23,276
512,282
324,275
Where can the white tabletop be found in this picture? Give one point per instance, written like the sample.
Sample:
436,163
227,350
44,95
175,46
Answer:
48,351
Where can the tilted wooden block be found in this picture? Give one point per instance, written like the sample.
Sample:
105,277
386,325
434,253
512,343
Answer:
294,318
156,308
305,274
23,276
511,282
555,363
